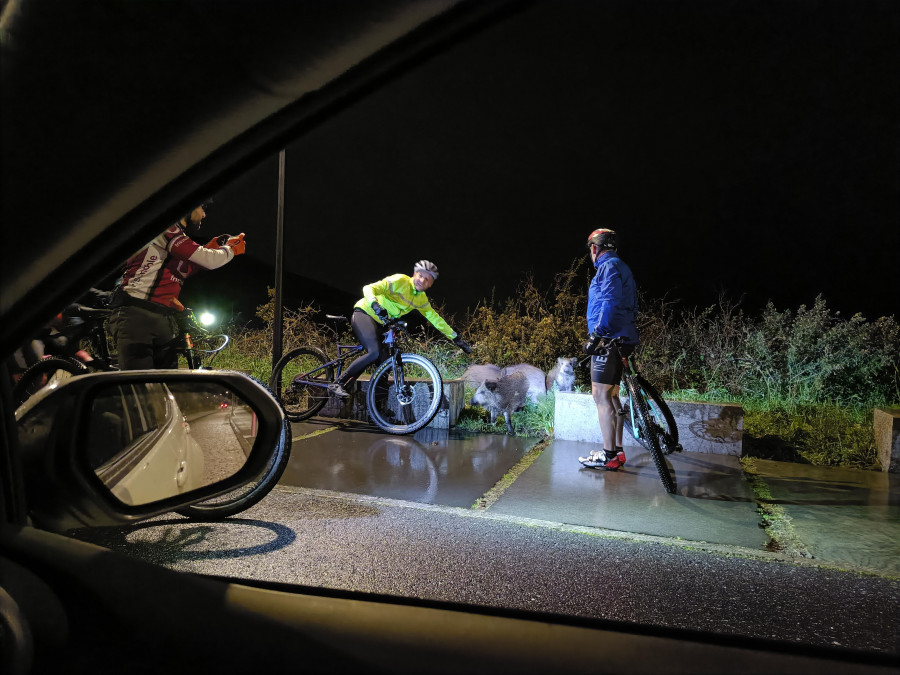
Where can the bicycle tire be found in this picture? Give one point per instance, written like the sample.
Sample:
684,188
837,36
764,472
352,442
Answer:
301,401
39,375
411,409
650,435
248,495
661,415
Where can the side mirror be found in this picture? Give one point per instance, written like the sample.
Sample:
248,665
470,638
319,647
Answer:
115,448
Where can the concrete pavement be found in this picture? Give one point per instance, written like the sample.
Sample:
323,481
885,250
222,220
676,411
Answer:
842,517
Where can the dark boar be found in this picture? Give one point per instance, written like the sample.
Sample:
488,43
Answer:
505,395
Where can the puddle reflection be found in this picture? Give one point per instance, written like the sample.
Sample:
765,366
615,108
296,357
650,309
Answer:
433,466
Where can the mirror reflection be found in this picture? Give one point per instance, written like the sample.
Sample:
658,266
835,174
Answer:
148,440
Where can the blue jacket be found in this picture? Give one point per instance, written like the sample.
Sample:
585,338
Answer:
612,300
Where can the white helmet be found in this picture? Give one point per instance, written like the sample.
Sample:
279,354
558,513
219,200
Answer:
426,266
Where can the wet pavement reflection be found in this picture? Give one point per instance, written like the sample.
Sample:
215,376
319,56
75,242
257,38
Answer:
846,516
433,466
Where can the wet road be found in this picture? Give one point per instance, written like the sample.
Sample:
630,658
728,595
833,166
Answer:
432,466
223,454
359,510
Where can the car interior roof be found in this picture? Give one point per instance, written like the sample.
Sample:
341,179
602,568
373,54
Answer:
115,137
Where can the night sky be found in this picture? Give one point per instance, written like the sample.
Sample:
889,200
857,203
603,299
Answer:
750,147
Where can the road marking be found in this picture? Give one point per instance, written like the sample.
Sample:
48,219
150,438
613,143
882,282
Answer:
314,433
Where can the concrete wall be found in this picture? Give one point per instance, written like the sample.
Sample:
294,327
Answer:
354,407
887,438
716,428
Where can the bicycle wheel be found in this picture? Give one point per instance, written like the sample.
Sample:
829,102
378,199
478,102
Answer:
649,434
304,364
660,415
246,496
412,405
44,372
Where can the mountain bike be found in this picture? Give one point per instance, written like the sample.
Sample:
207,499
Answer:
651,421
85,325
402,396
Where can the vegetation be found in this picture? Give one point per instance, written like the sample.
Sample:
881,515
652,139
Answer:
808,379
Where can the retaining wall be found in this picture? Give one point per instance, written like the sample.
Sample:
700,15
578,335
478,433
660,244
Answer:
887,438
354,407
715,428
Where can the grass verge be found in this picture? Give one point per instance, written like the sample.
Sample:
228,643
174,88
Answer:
773,518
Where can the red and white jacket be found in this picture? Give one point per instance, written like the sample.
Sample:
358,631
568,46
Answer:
157,272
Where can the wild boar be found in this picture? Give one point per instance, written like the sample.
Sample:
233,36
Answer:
477,374
505,395
562,375
535,376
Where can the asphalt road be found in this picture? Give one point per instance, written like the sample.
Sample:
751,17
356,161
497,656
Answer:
377,545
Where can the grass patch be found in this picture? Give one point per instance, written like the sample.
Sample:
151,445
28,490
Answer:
536,419
773,517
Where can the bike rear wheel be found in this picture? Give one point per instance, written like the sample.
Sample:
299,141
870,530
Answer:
661,416
300,381
649,433
412,405
245,496
44,372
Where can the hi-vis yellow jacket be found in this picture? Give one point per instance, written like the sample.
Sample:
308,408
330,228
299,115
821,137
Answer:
399,297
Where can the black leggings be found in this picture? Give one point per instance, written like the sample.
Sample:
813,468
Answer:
368,332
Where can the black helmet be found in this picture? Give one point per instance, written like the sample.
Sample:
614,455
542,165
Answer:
426,266
604,238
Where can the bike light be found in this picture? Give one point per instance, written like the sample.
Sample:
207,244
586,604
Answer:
207,319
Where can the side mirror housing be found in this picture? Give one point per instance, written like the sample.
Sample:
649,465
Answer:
115,448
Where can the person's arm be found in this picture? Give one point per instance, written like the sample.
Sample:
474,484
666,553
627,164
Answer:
610,292
438,322
182,246
372,295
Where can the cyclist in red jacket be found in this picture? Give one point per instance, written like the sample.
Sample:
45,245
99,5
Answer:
143,326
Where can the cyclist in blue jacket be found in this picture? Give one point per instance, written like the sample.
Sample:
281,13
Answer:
612,308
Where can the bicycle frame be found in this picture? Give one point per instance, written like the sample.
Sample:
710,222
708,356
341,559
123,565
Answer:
628,371
345,351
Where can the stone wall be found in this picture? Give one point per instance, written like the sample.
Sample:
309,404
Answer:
354,407
716,428
887,438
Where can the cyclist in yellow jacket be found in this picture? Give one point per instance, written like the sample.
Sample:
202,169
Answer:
389,299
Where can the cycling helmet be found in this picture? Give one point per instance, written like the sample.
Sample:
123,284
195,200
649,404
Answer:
426,266
604,238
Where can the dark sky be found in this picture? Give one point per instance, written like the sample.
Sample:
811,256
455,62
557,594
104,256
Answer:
745,146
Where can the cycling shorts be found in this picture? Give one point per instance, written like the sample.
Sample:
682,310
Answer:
607,368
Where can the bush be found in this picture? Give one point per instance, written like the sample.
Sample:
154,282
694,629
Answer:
534,327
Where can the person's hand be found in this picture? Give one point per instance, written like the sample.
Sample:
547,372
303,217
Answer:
219,241
381,313
236,244
462,344
593,345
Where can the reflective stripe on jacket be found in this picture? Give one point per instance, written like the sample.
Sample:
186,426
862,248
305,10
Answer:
399,297
612,300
